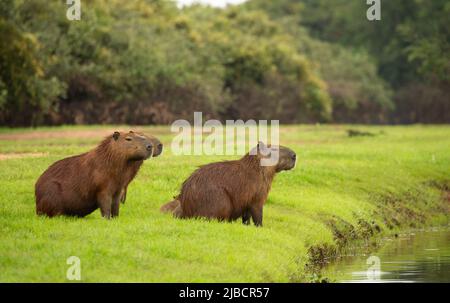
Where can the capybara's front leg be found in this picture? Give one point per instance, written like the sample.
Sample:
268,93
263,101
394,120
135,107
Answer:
105,201
246,217
115,206
257,214
123,195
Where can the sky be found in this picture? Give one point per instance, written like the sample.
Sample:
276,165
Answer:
215,3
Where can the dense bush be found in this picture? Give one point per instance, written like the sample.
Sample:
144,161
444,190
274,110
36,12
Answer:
410,46
25,91
146,62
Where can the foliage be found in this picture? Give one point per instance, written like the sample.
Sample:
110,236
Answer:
146,62
24,88
410,45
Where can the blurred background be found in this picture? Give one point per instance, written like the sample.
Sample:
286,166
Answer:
151,62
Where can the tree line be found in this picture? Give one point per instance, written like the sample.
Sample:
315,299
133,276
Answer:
149,62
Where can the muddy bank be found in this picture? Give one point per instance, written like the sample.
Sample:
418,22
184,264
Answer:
397,213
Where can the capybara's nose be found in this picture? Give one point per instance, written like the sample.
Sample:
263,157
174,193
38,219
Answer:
160,147
294,156
149,147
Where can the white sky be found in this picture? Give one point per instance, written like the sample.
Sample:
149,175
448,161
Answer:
215,3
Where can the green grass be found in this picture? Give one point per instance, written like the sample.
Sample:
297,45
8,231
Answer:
390,180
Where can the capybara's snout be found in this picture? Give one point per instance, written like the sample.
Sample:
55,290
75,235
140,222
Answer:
158,148
148,149
293,158
153,147
287,159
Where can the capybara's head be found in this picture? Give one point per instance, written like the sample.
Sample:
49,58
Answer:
280,157
136,146
287,159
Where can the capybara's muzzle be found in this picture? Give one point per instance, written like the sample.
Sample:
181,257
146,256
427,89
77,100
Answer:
294,160
158,150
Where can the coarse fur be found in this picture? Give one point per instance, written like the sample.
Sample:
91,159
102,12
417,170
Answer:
231,189
134,167
78,185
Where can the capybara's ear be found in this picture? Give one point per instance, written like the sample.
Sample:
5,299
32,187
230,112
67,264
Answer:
116,135
131,132
261,146
262,149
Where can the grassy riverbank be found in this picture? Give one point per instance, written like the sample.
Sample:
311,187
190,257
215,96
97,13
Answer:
343,189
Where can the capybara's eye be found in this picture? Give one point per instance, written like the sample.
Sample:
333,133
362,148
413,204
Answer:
128,139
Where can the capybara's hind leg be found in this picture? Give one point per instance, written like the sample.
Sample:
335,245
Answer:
219,207
48,199
45,208
41,211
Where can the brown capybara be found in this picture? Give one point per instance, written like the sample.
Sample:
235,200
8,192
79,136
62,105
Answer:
78,185
232,189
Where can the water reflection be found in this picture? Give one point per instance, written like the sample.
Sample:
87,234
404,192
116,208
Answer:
416,257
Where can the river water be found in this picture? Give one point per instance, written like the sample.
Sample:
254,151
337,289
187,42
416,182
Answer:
419,256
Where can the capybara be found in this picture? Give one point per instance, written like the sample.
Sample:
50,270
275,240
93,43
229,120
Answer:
78,185
231,189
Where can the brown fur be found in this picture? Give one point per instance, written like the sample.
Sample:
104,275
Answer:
134,167
230,190
78,185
